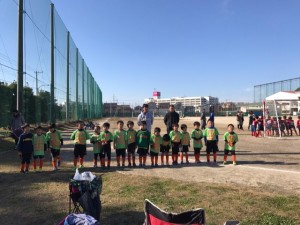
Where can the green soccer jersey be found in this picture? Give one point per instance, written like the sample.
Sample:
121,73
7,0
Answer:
230,140
143,139
211,133
120,138
131,136
155,142
54,139
97,146
185,138
80,137
197,135
175,136
105,137
39,142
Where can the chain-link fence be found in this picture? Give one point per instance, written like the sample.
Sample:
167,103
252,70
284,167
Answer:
76,93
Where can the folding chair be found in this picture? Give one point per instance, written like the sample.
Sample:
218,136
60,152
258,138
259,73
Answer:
156,216
73,199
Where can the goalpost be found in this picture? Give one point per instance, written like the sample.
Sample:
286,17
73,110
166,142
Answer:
272,108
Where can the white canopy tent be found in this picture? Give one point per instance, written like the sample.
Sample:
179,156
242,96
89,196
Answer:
279,98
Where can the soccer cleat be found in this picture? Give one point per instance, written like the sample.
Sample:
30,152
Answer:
26,171
81,166
162,164
234,163
134,165
34,170
54,169
156,165
123,164
181,162
225,162
41,169
74,168
118,165
187,162
152,165
129,164
141,165
22,171
95,166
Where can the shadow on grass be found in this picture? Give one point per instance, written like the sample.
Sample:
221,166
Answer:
120,216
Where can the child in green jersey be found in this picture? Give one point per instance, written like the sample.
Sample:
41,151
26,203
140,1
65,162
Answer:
79,136
54,142
106,137
197,136
120,144
155,145
131,143
143,141
97,145
230,138
185,143
165,148
211,138
176,138
39,148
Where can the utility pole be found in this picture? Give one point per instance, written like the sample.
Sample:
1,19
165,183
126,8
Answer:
36,81
52,99
20,97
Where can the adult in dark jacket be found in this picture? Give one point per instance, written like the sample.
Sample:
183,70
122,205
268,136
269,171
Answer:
171,118
16,123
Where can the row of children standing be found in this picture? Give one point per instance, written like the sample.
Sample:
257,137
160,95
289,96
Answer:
142,140
178,142
285,125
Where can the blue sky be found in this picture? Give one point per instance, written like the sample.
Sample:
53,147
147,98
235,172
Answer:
220,48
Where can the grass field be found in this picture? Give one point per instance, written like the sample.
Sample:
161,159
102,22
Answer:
42,198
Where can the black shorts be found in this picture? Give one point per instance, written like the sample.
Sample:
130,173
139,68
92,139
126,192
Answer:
226,152
131,148
153,154
121,152
80,150
197,150
38,156
211,146
185,148
142,151
55,152
175,150
165,148
25,158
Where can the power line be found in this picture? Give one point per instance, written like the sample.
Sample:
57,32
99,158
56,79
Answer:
8,67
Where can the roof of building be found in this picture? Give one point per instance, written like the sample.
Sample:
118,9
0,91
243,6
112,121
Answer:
284,96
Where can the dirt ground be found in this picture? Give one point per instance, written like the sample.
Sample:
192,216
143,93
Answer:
268,163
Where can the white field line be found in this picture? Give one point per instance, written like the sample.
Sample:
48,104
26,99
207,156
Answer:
270,169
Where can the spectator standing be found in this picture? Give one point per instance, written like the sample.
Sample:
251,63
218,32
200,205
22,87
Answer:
203,120
145,116
171,118
16,124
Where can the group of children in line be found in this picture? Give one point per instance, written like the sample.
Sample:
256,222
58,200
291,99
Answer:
285,125
131,140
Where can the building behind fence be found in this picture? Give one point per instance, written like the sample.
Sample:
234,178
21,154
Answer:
264,90
76,93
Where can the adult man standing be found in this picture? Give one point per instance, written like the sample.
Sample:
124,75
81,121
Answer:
145,116
16,123
203,120
171,118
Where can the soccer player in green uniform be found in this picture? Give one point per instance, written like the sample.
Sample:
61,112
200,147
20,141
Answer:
211,138
106,137
143,142
79,136
230,138
165,148
97,145
39,148
155,144
185,143
176,138
54,142
131,143
197,136
120,144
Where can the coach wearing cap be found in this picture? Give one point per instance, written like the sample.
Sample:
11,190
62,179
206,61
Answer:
171,118
145,116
